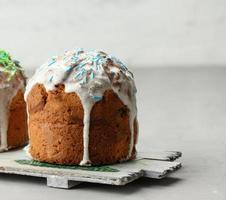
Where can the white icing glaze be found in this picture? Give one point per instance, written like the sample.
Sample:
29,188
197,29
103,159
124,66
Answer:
86,122
8,89
89,74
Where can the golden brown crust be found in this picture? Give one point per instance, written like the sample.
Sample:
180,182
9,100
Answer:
56,127
17,129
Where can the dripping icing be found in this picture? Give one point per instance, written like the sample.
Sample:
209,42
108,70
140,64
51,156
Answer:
89,74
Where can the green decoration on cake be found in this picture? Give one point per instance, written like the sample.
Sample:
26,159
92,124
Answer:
72,167
9,66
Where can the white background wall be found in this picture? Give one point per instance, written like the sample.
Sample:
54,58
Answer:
144,33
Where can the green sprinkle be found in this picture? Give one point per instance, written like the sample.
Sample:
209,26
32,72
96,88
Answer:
92,75
96,98
9,66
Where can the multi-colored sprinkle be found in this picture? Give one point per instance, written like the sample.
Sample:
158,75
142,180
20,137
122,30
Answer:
85,64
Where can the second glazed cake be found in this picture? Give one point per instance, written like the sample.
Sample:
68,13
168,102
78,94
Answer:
13,116
82,110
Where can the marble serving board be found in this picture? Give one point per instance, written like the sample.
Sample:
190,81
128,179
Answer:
154,165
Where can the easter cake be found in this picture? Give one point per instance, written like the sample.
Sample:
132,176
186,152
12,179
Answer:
82,110
13,117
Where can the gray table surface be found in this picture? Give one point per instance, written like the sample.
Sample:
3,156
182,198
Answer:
179,109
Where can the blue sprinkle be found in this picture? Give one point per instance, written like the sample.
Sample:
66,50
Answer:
51,79
82,64
97,59
93,75
83,71
96,98
78,75
68,68
52,62
74,59
79,50
100,61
